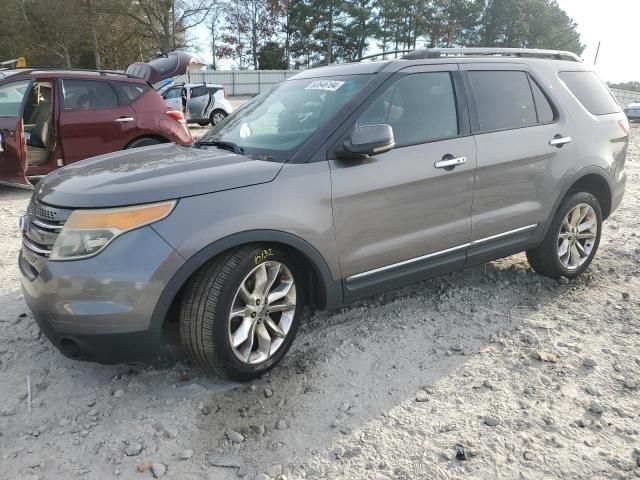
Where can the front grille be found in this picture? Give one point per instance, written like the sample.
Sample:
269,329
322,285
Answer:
42,227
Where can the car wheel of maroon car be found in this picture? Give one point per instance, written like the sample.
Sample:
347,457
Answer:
143,142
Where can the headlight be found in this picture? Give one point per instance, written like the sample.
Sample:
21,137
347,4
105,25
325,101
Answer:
87,232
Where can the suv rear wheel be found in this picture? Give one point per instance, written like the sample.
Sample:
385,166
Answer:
572,239
241,312
217,116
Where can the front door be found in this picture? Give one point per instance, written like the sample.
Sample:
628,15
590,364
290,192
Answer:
13,154
173,98
198,102
91,120
406,214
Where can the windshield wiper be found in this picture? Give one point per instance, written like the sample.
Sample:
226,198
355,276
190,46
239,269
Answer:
233,147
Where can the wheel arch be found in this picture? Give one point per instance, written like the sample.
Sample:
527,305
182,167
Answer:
323,290
153,136
597,183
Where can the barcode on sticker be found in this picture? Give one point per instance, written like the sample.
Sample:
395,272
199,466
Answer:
331,85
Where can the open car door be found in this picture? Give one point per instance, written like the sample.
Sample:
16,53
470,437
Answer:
13,152
198,103
13,146
167,66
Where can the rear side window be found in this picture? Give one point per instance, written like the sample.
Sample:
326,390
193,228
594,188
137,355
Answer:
199,91
213,90
129,92
420,108
590,92
504,100
88,95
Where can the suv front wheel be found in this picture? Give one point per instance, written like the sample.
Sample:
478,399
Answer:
241,312
572,239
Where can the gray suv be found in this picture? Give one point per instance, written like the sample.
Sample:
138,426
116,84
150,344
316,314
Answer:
341,182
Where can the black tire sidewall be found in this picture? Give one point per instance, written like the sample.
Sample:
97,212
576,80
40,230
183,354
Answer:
144,142
226,358
554,232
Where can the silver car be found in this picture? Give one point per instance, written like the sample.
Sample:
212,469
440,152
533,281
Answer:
342,182
201,103
632,111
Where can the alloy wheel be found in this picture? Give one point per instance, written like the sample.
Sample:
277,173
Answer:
577,236
262,312
218,117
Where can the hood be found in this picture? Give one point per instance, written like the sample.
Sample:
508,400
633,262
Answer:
164,67
151,174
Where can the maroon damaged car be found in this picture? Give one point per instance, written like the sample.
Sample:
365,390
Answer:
51,118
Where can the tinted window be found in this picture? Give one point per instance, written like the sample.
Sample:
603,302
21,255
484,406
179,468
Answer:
590,91
199,91
130,92
543,107
11,96
504,99
420,108
213,90
88,95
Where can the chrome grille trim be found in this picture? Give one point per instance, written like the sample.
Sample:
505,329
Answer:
34,248
44,226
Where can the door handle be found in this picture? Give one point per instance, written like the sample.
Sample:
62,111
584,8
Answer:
449,162
124,119
559,141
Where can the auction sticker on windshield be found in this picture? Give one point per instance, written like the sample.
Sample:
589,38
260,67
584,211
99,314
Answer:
331,85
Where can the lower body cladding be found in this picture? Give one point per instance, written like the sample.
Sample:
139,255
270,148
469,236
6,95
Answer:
100,309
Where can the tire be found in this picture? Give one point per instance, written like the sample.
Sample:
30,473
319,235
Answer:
217,116
546,259
206,323
143,142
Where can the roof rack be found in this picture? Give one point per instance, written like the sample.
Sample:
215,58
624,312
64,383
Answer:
502,52
78,70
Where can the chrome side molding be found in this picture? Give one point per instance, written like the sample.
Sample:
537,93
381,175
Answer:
439,253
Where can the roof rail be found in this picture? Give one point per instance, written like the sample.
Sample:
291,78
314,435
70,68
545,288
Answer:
502,52
77,70
381,54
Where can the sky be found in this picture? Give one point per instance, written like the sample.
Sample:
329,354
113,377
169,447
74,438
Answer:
613,23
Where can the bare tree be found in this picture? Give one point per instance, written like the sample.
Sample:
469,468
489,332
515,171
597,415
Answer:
168,21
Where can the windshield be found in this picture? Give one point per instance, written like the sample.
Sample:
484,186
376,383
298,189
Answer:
275,124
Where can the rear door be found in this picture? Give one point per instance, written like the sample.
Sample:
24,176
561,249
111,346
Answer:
13,155
92,119
515,123
198,102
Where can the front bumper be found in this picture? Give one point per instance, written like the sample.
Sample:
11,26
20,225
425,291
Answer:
100,309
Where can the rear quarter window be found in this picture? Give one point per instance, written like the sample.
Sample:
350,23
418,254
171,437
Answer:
590,91
129,92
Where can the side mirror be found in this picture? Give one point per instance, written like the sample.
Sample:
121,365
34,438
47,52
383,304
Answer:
369,140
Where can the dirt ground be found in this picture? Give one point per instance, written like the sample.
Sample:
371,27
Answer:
440,380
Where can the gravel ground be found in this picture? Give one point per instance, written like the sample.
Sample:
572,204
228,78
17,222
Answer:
491,373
